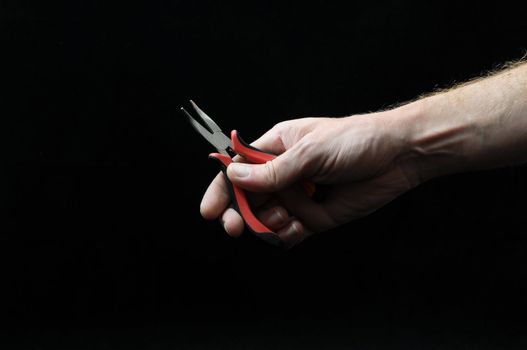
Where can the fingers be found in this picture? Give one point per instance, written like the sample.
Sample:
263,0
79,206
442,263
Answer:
312,214
215,199
288,228
276,218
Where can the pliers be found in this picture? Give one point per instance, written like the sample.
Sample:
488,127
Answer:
228,147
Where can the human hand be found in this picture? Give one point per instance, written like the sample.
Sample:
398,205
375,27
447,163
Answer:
356,157
368,160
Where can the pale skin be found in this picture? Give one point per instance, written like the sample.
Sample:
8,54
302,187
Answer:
368,160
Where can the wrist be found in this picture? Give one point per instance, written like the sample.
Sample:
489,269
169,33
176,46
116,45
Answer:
433,140
477,125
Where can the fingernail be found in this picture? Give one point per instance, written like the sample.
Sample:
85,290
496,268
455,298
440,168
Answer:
276,218
290,236
240,170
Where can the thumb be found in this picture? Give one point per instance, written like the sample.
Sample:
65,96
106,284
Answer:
271,176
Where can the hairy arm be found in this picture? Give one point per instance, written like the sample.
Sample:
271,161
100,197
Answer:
368,160
478,125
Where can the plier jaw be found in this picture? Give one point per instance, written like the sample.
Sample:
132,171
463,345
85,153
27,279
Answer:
211,132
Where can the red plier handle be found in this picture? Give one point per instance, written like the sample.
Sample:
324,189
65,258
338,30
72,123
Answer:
239,198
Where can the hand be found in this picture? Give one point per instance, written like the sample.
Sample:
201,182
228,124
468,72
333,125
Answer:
368,160
356,157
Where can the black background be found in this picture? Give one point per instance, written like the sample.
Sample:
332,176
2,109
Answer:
102,245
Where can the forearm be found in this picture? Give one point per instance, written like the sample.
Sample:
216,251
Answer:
478,125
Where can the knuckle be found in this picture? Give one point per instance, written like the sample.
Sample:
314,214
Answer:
306,145
306,152
279,127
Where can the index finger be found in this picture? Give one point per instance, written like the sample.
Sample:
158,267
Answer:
216,199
